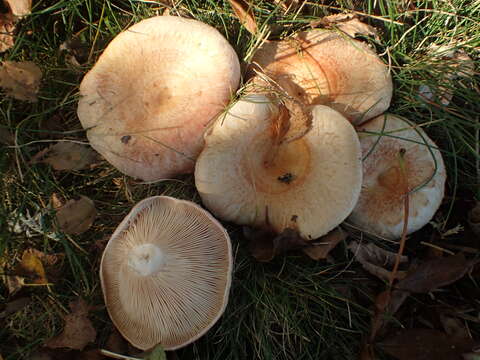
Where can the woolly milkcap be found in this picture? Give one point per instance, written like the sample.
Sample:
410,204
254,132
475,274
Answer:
147,100
166,273
328,68
386,173
310,182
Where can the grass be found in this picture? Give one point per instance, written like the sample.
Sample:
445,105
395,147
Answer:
290,308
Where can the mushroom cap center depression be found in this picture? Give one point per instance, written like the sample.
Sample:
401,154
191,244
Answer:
391,179
287,169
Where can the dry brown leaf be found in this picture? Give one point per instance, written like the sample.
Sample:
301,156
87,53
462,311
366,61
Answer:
56,201
426,344
20,80
14,306
76,216
66,156
265,244
243,11
457,65
299,119
375,259
436,273
453,326
288,5
14,283
387,304
6,137
29,271
355,27
325,244
347,23
78,330
77,52
7,28
31,268
116,343
474,219
52,127
19,8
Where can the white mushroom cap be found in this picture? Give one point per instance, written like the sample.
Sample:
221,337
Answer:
312,184
147,100
166,273
380,209
328,68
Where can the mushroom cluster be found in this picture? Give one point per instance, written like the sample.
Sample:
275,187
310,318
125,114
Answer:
253,171
306,148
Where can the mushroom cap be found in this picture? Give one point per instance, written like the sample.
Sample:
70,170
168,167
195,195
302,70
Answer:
380,208
147,100
328,68
312,184
166,273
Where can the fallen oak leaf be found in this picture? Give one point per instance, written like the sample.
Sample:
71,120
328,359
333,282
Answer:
6,137
13,306
116,343
16,10
66,156
7,28
453,326
322,246
426,344
265,244
347,23
288,5
457,66
20,80
78,330
374,259
31,268
387,304
474,219
19,8
76,216
14,283
436,273
243,11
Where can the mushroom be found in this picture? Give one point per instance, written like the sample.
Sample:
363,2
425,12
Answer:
250,175
166,273
328,68
398,157
147,100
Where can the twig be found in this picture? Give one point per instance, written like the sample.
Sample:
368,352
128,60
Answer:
406,204
113,355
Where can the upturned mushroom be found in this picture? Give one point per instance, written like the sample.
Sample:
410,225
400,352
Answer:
147,100
260,167
328,68
399,158
166,273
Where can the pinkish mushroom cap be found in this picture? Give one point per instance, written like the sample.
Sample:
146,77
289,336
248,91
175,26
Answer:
380,208
147,100
328,68
309,182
